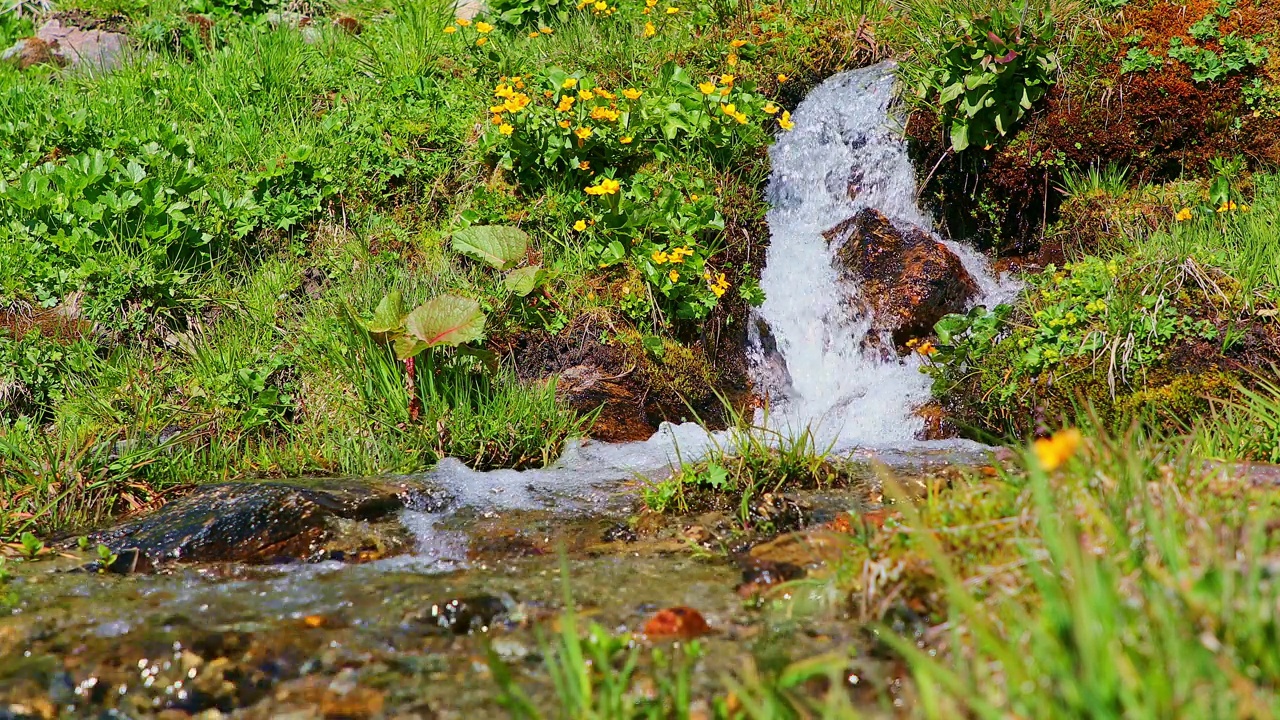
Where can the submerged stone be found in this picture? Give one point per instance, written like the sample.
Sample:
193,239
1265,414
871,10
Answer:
262,522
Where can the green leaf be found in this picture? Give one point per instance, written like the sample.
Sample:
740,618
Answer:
407,346
959,136
388,316
446,320
500,246
525,280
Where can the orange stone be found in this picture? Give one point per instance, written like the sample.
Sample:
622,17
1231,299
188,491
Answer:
681,623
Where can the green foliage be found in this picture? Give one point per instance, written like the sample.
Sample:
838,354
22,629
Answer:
1140,59
1206,65
1094,310
34,370
530,13
995,68
1165,622
31,545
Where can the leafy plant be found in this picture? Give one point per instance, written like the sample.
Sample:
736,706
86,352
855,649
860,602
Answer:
994,70
1140,59
31,545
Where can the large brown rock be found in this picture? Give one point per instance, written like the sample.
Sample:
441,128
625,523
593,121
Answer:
56,43
909,280
261,522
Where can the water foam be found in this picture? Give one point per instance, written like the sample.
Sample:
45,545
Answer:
846,153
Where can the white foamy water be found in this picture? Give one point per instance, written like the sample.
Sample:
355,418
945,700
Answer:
845,136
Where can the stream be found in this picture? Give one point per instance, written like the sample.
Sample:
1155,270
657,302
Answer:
407,581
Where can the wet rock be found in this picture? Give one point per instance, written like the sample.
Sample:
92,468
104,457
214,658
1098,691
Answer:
909,280
677,623
464,616
759,575
803,549
256,522
774,513
67,44
620,532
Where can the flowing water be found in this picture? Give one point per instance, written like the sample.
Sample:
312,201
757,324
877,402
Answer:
845,137
355,640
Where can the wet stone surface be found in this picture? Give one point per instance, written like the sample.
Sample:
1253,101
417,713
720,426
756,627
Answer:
265,522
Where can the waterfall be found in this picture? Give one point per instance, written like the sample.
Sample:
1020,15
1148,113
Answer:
812,363
845,153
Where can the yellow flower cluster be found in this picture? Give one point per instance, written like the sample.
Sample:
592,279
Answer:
718,285
1230,206
514,102
606,186
732,111
675,257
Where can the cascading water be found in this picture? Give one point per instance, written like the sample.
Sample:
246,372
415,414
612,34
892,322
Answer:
812,361
814,367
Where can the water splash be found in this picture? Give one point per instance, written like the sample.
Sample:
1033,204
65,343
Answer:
846,153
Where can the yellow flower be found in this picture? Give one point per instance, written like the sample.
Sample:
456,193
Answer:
496,119
583,133
781,79
673,10
607,186
1053,451
673,275
585,95
1244,208
506,129
785,120
632,94
732,60
584,165
483,27
707,88
1227,207
580,226
545,30
770,108
625,139
726,80
605,94
729,109
534,34
926,348
1183,214
659,257
569,83
737,44
481,41
601,6
564,124
450,30
516,103
566,104
649,29
650,3
694,197
604,113
463,22
741,118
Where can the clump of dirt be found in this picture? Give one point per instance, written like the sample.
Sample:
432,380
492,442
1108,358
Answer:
603,364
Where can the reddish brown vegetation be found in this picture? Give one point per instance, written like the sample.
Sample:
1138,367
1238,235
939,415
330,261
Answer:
1160,124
